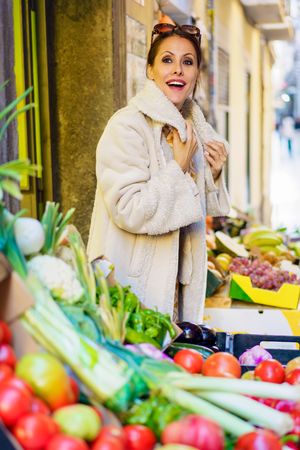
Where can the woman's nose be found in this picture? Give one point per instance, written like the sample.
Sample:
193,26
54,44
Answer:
178,69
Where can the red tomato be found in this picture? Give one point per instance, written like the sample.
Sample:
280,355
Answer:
109,443
293,377
113,431
7,355
139,437
266,401
18,383
6,372
287,406
34,430
13,404
296,418
75,388
222,364
5,333
190,360
270,370
38,405
195,431
258,440
64,442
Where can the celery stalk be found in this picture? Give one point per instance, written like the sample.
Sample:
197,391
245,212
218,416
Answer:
226,420
239,386
249,409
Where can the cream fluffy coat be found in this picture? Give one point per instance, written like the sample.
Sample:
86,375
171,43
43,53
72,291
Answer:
143,200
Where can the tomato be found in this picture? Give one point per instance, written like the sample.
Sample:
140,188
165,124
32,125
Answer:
6,372
47,377
75,388
222,364
296,418
113,431
7,355
270,370
258,440
139,437
292,365
18,383
34,430
64,442
293,377
38,405
195,431
266,401
287,406
5,333
13,404
189,359
109,443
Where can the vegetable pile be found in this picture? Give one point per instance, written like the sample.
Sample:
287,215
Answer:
82,323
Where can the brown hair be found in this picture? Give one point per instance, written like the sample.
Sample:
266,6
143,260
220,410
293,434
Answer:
178,32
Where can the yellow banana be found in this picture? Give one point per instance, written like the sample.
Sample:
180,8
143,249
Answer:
266,239
256,232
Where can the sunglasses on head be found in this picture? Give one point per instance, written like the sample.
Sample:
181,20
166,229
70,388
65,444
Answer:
162,28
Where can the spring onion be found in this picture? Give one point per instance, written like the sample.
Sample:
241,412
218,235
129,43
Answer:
239,386
247,408
190,402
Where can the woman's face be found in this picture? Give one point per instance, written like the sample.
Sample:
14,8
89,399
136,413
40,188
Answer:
175,69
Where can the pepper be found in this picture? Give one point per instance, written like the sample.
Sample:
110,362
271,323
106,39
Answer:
134,337
136,321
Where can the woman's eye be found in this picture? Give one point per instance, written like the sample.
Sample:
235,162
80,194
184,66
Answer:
167,60
188,62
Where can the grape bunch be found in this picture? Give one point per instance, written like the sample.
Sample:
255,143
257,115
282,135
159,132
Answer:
262,273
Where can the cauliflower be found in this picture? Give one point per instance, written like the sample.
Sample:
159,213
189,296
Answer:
57,276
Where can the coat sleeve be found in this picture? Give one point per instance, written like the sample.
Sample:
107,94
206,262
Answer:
137,201
217,197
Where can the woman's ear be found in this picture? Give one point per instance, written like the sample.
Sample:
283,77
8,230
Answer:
149,72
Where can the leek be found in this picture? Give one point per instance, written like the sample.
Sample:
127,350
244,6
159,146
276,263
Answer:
54,224
199,383
107,376
190,402
257,413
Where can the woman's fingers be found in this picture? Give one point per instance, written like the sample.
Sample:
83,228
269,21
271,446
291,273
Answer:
216,149
216,155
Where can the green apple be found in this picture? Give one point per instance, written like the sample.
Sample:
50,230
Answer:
78,420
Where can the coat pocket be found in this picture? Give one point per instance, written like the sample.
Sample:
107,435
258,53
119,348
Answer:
142,254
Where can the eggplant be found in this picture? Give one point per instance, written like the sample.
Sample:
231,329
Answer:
198,334
191,333
209,335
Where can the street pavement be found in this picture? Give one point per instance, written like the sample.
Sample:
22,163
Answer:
285,183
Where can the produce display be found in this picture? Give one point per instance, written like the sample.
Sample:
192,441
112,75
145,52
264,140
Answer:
262,273
115,375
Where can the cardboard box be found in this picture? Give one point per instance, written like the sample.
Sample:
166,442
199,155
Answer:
254,320
286,297
14,300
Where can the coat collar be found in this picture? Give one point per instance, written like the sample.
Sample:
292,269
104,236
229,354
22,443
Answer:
152,102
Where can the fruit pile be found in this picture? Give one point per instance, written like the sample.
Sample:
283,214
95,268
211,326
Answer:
262,273
266,239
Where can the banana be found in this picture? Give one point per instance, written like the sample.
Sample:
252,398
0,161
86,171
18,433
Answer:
265,239
256,232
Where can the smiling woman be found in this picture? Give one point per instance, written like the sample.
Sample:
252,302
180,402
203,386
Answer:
159,172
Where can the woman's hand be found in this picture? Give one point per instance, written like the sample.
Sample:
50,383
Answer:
216,155
184,151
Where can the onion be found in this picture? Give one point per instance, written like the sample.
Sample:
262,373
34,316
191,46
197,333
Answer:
148,350
254,356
